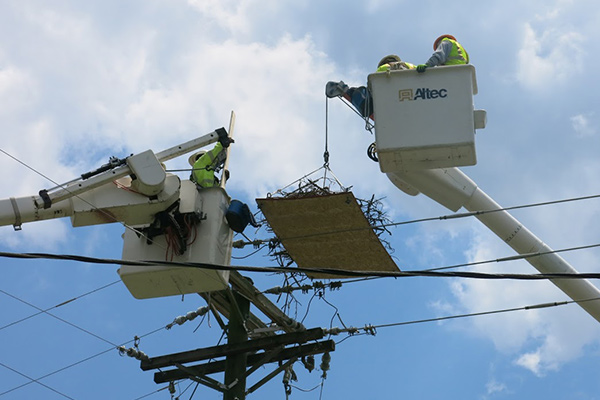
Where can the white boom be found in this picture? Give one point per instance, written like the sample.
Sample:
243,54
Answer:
94,199
425,128
453,189
166,218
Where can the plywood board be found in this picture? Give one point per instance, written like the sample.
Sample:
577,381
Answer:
328,231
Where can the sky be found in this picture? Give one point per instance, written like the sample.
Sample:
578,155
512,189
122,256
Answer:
83,81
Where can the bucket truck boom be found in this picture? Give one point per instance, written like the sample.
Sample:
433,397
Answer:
160,213
425,128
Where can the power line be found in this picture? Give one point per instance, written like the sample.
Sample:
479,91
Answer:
445,217
58,318
371,329
32,380
345,272
58,305
106,214
515,257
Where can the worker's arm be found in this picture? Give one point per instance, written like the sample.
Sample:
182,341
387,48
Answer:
441,54
203,169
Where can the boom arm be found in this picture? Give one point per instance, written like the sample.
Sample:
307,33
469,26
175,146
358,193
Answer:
453,189
93,198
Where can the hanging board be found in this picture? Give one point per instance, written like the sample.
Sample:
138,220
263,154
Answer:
328,231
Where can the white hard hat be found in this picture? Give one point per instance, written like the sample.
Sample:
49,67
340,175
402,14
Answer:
195,157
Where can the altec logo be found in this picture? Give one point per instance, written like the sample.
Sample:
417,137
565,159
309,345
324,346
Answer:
422,94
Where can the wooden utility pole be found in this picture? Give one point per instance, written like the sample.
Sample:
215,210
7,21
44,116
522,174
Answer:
235,364
242,356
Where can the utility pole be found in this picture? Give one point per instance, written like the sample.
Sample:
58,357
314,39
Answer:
235,364
243,354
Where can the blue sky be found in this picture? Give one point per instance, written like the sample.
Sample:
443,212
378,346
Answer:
83,81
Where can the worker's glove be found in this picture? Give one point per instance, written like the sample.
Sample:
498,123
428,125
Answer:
421,68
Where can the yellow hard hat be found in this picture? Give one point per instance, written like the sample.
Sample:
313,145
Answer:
438,40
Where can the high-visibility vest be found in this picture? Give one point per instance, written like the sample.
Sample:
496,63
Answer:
387,67
203,173
458,55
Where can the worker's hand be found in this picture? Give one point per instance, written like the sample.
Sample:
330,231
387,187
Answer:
421,68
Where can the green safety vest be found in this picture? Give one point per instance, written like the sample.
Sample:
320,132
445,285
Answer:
203,173
458,55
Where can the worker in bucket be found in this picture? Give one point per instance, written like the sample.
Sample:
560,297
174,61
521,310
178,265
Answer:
205,164
360,97
447,51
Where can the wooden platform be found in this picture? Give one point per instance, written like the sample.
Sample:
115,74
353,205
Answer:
328,231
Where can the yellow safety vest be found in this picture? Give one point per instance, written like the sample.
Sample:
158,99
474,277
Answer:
204,168
458,55
387,67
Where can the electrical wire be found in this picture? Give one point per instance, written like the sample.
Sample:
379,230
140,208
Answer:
249,255
34,380
443,217
77,363
343,272
58,318
59,305
108,215
372,328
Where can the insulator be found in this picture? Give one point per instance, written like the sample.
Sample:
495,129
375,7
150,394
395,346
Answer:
334,331
202,311
191,315
325,364
309,362
274,290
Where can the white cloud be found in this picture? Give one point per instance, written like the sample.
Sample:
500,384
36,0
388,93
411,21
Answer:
495,387
100,97
548,58
531,361
582,127
233,15
542,340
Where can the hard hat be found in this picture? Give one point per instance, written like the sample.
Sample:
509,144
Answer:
388,59
194,157
438,40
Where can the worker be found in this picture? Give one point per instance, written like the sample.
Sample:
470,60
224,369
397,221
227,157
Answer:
447,51
360,97
205,164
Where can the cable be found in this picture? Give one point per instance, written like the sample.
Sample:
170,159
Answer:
370,329
56,317
108,215
443,217
249,255
353,273
76,363
516,257
34,380
59,305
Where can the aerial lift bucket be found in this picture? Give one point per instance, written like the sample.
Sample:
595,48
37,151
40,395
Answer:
427,120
